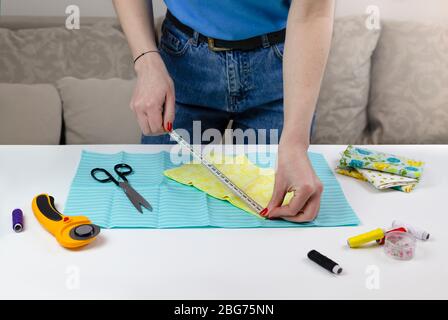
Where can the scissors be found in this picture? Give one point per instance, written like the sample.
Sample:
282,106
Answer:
123,170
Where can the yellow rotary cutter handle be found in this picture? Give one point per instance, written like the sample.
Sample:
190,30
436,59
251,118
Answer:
70,232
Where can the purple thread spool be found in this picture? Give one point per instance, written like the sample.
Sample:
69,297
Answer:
17,220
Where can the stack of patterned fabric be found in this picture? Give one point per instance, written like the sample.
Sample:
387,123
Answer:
382,170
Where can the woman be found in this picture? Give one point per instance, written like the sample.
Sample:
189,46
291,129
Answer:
259,63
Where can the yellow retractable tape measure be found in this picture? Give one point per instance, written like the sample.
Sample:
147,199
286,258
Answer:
359,240
70,232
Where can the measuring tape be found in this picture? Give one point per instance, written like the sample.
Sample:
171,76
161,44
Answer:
215,171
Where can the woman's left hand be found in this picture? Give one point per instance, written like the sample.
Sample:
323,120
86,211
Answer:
295,174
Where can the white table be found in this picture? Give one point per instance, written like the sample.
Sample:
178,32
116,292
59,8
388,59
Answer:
219,263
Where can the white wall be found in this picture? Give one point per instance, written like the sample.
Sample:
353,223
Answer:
422,10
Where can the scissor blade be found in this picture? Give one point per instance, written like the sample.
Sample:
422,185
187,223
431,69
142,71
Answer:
136,199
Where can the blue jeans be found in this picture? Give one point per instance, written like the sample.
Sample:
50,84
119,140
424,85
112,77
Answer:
215,87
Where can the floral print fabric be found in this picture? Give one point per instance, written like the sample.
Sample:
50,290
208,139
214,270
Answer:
382,170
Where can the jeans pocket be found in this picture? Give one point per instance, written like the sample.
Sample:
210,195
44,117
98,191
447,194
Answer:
278,50
173,41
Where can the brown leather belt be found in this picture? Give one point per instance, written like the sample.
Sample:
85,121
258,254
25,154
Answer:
226,45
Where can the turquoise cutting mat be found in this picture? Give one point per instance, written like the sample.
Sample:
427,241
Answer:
181,206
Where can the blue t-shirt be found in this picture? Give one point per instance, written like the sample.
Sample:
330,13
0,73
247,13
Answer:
231,19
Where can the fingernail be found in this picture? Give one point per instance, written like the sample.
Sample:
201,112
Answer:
264,212
170,126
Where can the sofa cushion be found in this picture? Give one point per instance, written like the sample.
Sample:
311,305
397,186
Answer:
46,55
409,96
97,111
341,115
30,114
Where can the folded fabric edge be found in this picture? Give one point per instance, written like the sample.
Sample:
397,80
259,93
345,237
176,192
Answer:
347,154
353,173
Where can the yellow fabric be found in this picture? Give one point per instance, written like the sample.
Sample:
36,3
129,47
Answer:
408,188
257,182
357,175
351,173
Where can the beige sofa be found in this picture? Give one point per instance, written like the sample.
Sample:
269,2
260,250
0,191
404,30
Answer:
60,86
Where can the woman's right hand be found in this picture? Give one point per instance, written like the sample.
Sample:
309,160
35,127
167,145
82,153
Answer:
153,100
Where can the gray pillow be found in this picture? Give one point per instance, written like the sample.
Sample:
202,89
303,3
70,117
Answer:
341,116
29,114
46,55
409,97
97,111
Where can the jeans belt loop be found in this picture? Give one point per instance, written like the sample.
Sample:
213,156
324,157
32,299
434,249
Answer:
265,41
195,39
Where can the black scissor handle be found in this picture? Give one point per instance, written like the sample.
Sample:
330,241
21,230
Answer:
123,170
108,177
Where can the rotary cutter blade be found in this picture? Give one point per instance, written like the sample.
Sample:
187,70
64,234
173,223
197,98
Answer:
70,232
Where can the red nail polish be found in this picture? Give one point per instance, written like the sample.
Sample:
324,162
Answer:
264,212
170,126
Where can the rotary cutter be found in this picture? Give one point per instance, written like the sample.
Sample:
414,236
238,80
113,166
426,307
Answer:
70,232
